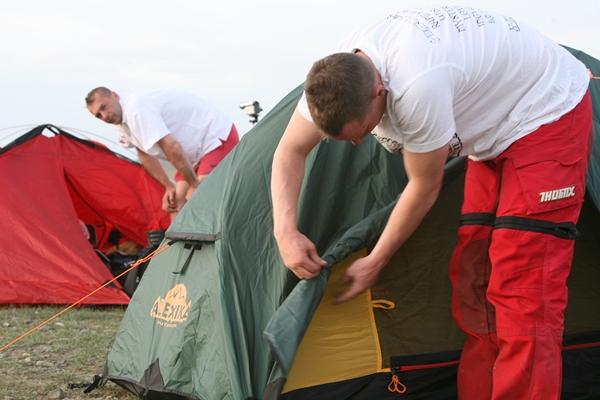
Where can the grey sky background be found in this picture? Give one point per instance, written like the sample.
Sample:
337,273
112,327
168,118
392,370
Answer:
229,51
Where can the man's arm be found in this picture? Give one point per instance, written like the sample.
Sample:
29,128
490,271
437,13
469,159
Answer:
297,251
425,173
152,165
174,153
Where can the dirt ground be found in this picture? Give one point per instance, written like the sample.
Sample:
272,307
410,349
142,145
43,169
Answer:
69,350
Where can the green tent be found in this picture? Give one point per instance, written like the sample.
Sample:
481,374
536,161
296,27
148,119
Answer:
217,316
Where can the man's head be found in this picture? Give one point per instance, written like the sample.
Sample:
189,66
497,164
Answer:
104,104
345,96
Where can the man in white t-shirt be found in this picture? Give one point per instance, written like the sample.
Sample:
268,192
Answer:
190,133
449,81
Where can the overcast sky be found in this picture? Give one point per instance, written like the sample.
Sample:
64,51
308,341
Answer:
53,52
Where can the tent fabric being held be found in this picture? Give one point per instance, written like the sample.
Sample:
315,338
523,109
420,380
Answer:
52,182
218,316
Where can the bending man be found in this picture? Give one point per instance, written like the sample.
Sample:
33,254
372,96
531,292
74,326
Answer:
193,135
448,81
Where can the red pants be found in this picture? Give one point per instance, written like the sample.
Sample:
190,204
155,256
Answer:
214,157
513,257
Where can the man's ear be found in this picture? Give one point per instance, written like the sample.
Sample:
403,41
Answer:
380,89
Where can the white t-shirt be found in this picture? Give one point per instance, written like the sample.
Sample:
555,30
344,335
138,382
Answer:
472,79
196,124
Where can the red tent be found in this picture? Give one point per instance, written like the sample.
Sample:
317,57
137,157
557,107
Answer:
51,183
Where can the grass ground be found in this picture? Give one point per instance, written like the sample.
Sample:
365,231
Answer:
70,349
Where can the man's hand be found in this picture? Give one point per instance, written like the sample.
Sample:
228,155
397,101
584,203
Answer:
361,275
300,256
169,201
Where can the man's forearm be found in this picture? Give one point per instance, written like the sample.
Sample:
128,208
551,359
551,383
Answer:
286,179
182,165
412,206
153,167
174,153
426,173
299,138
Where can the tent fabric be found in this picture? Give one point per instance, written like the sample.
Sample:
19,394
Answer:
52,182
218,316
350,324
233,208
593,184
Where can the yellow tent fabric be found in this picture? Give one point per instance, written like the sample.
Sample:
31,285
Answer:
342,338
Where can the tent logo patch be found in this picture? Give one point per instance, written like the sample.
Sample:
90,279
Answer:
173,309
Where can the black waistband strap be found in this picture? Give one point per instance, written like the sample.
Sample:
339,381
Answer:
563,230
477,219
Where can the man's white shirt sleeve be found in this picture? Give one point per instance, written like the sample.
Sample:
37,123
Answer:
147,125
302,108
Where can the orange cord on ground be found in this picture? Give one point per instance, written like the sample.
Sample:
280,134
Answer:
395,386
160,249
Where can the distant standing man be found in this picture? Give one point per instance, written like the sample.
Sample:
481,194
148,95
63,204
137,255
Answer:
448,81
190,133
